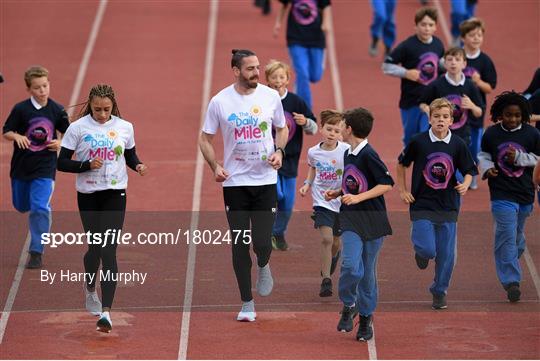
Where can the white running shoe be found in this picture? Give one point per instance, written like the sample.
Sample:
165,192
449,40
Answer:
93,304
104,323
247,313
265,282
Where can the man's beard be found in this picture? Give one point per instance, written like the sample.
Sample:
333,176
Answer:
250,83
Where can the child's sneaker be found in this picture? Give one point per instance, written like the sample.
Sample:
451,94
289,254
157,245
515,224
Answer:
326,288
265,282
421,262
439,302
104,323
365,329
247,313
347,318
513,292
93,304
335,260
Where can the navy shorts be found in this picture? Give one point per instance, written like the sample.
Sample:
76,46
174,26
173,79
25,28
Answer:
328,218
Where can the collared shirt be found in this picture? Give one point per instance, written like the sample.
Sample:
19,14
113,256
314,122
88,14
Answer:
473,55
510,130
358,148
460,82
35,103
434,138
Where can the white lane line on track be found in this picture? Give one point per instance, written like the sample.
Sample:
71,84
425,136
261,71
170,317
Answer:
196,202
74,95
532,270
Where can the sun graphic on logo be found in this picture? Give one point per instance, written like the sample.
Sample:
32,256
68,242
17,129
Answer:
256,110
112,134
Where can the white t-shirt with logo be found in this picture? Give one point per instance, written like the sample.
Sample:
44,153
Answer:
246,124
90,139
328,166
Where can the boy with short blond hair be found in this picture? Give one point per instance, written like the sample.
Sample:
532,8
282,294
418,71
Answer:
434,197
416,62
32,126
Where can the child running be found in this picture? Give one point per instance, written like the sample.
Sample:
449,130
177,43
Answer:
325,162
299,119
510,150
363,221
32,126
434,197
103,144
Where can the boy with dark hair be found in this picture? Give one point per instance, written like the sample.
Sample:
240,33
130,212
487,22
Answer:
459,90
510,150
481,70
434,197
364,223
32,126
419,58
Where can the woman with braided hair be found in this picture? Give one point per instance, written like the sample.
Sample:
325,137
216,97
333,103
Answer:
103,144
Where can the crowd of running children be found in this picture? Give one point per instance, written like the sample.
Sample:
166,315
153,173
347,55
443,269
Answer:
442,105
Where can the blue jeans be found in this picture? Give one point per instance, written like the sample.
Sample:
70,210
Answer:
476,139
509,242
358,277
461,10
414,121
308,66
383,24
34,196
436,241
286,191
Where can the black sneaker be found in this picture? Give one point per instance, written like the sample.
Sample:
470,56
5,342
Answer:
35,261
439,302
513,293
335,260
326,288
347,319
278,242
365,330
421,262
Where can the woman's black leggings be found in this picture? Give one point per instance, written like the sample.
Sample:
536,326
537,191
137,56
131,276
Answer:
251,208
101,211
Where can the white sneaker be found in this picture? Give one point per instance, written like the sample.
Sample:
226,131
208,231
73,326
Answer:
247,313
265,282
93,304
104,323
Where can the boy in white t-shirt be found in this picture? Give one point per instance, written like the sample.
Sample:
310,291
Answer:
245,112
325,162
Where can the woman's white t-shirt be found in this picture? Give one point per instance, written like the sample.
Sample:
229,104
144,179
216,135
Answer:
328,166
246,124
90,139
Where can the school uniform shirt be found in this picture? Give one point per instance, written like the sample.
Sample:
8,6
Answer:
434,175
363,171
90,139
513,182
246,123
293,103
412,53
447,88
482,64
329,167
39,124
304,23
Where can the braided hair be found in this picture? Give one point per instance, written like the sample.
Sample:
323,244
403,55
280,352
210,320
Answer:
507,98
102,91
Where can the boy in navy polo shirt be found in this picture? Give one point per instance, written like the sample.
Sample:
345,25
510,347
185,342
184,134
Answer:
434,197
459,90
364,223
32,126
510,150
419,58
481,70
